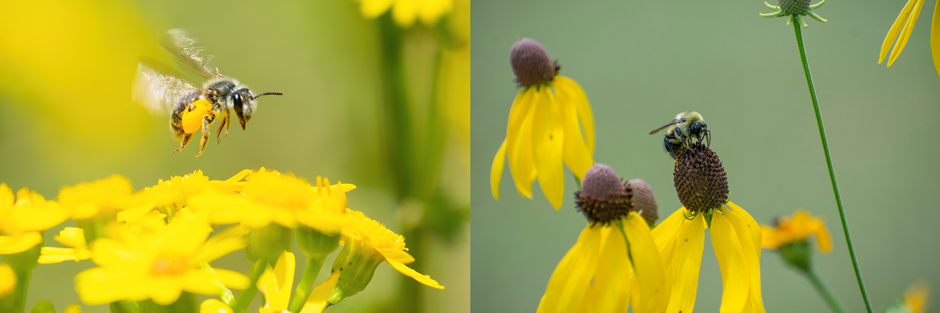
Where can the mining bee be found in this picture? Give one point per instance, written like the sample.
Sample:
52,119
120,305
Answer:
682,130
161,89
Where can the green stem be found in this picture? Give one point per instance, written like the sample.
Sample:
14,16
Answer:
314,263
435,132
245,296
398,118
832,174
411,298
825,292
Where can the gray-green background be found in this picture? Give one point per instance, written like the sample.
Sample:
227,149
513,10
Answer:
641,62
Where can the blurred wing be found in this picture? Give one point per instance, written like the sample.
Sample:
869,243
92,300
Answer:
159,87
674,122
185,50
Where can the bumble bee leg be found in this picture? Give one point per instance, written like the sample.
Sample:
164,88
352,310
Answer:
228,124
682,137
184,141
205,134
708,137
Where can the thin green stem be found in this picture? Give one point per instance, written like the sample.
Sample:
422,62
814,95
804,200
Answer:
245,296
435,132
398,113
314,263
832,174
834,303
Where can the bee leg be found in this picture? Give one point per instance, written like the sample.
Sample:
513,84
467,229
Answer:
227,124
184,141
205,134
219,131
708,137
681,137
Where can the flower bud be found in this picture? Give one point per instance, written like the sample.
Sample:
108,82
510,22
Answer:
267,243
643,200
795,7
356,264
315,243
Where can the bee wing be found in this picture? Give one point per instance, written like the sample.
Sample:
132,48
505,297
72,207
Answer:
158,87
184,48
674,122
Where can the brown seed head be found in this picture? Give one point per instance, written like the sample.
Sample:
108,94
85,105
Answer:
531,63
700,179
643,200
603,197
795,7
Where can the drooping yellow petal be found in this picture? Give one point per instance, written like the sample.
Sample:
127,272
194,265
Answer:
496,172
317,301
396,254
214,306
49,255
895,28
576,154
743,223
752,226
653,288
822,238
276,284
608,291
686,263
906,32
547,142
735,280
19,242
519,142
407,271
580,101
572,277
935,37
665,234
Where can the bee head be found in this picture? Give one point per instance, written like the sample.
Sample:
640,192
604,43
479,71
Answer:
244,103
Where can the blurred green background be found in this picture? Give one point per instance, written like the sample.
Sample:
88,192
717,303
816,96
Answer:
65,83
641,62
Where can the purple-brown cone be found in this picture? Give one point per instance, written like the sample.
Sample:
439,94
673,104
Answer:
643,200
602,198
531,63
700,179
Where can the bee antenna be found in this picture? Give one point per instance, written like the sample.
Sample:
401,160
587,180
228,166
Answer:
266,94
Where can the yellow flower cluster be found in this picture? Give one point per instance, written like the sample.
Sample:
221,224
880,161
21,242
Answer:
154,246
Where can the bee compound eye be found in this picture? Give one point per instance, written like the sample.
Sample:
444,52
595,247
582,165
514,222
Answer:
237,100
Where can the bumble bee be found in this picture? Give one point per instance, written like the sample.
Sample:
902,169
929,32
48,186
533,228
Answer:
681,131
161,89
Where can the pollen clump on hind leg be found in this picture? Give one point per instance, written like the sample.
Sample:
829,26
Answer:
192,118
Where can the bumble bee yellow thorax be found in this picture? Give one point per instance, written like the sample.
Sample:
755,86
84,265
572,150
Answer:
192,118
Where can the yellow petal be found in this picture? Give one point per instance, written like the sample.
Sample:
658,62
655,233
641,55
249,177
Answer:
49,255
752,226
73,308
895,28
686,263
547,142
608,291
653,288
18,243
165,290
232,279
72,237
770,238
576,154
396,254
935,37
906,32
7,280
664,235
214,306
519,141
572,277
742,224
496,172
734,271
96,286
580,100
916,296
407,271
404,12
317,301
822,237
374,8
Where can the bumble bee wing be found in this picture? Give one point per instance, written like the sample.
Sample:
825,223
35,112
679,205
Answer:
158,87
674,122
184,48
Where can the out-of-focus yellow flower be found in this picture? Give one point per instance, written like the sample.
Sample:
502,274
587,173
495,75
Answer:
214,306
799,227
902,28
545,127
736,239
7,279
160,265
101,197
406,11
319,297
22,220
916,296
366,244
73,237
73,308
276,284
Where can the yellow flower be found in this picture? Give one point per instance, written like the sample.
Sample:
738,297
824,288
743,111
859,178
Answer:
736,239
73,308
100,197
160,265
406,11
916,296
366,244
544,129
276,284
7,279
904,25
799,227
599,274
214,306
73,237
22,220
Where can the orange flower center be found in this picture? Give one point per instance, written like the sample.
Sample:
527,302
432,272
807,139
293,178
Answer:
168,266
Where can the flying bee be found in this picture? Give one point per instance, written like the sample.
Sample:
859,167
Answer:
162,89
681,131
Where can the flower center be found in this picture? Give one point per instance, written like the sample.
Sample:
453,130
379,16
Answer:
603,197
169,266
796,7
531,63
700,179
